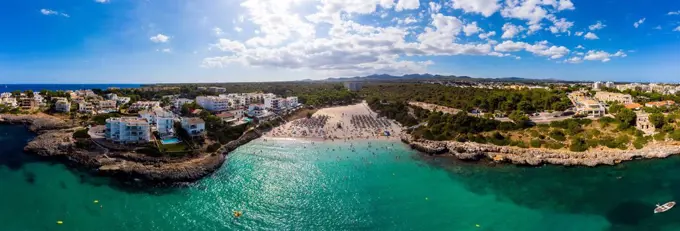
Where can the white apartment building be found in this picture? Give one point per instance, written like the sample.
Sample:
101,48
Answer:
112,96
6,95
213,103
85,107
603,96
609,85
9,102
161,120
273,104
107,106
127,130
62,105
597,85
217,89
293,101
181,101
122,100
194,126
144,105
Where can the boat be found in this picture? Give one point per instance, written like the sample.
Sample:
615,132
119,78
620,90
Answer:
665,207
237,214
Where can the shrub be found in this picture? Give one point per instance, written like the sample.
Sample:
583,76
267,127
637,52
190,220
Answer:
81,134
553,145
557,135
534,133
535,143
661,136
675,135
213,147
640,142
578,144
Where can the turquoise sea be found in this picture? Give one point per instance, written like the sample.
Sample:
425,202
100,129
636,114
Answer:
295,185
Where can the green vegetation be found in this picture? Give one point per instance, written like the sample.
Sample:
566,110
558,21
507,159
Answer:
81,134
487,100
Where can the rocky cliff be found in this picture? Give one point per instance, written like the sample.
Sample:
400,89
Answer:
190,170
36,122
537,156
59,144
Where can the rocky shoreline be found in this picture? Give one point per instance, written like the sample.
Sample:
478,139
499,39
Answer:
536,156
54,140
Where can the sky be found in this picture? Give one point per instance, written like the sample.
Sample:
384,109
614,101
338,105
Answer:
177,41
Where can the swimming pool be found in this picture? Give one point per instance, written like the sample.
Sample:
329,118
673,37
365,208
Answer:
170,141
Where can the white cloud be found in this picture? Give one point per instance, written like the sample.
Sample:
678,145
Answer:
217,31
578,33
597,26
530,10
238,29
487,35
565,5
52,12
574,60
674,12
407,20
560,26
580,47
639,22
159,38
165,50
677,29
407,5
471,29
483,7
591,36
102,1
229,45
658,27
434,7
595,55
540,49
510,30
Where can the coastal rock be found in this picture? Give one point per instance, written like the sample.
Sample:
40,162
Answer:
53,143
537,156
37,122
191,169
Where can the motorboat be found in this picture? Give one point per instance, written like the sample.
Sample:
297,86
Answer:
665,207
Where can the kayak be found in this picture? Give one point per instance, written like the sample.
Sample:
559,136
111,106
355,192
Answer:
665,207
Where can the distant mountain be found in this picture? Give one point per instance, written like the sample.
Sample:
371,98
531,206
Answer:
386,77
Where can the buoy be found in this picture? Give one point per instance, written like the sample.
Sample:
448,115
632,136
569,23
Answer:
427,198
60,222
96,201
477,225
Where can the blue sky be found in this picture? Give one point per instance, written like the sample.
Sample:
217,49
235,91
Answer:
148,41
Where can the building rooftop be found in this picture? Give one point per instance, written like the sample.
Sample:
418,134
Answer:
193,120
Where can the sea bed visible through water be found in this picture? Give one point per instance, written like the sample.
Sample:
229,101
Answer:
293,184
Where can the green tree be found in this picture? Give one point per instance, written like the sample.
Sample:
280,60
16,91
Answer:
657,119
615,108
519,117
626,118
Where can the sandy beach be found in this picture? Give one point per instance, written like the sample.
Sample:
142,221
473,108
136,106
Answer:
339,123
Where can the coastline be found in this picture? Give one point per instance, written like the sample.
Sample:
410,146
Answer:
535,156
54,140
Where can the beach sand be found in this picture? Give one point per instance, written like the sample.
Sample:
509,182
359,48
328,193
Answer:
339,123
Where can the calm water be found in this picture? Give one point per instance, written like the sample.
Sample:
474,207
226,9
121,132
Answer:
286,185
54,87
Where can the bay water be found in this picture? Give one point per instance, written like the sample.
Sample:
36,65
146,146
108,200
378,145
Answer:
359,185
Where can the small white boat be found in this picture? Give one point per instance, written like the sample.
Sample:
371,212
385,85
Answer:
665,207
